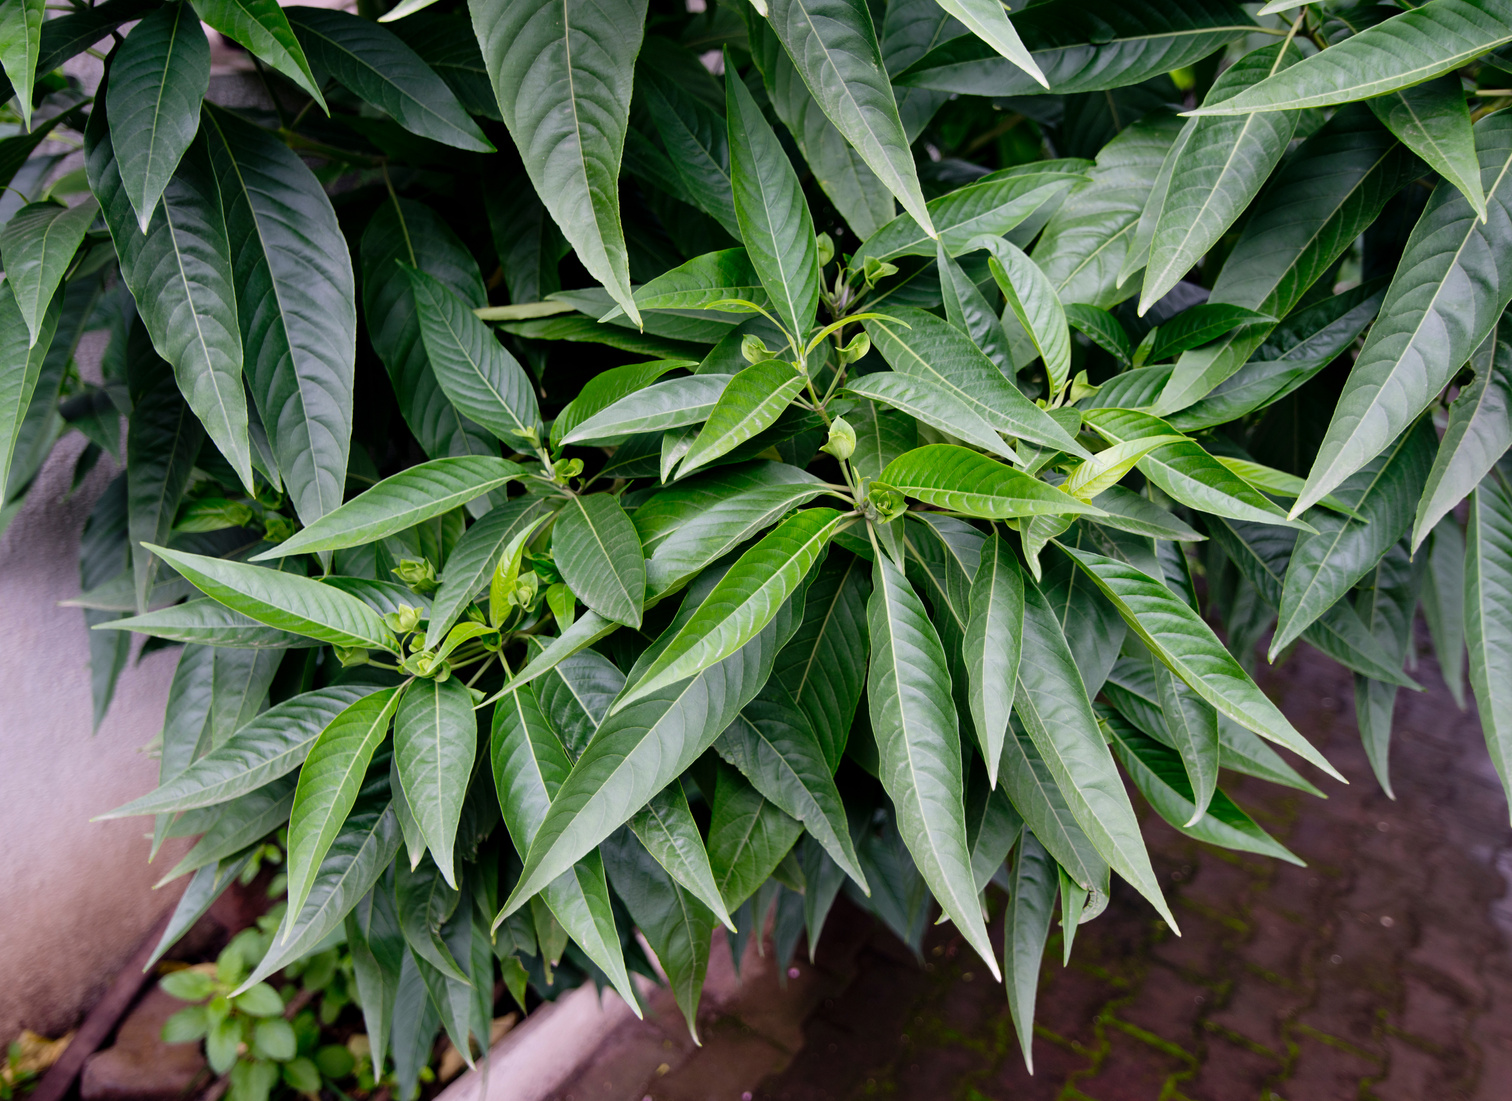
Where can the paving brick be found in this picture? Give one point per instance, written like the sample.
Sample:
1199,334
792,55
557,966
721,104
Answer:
1230,1072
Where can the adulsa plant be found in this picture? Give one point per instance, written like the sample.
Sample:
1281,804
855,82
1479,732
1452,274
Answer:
618,467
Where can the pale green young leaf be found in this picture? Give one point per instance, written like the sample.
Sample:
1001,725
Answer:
472,561
607,387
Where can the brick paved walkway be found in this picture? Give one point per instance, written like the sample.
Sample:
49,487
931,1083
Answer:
1381,971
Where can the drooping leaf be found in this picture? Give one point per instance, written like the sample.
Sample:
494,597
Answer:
263,28
20,44
748,836
714,277
600,557
1444,603
563,80
474,370
1488,596
285,601
992,647
271,745
1193,727
1386,600
1402,51
377,65
37,246
1479,432
1450,288
435,741
989,22
918,742
834,47
181,268
296,303
20,370
1433,121
1219,170
328,784
666,827
1032,884
158,79
1327,563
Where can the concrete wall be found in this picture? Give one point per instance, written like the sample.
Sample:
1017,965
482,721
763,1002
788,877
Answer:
75,897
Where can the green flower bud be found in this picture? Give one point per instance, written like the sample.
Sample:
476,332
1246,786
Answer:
884,503
568,469
875,270
418,574
277,528
826,248
754,348
403,621
1081,388
842,439
544,566
351,655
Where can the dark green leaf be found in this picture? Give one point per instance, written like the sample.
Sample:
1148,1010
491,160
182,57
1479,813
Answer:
435,741
600,557
993,639
262,27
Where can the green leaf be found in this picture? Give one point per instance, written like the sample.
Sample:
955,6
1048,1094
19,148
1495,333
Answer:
1186,471
38,246
380,68
600,557
162,442
529,765
1052,703
991,206
774,745
1081,48
378,955
666,827
1479,432
20,44
862,199
1103,329
1084,245
474,370
702,282
743,602
273,744
989,22
408,232
1261,551
210,623
472,562
1405,50
20,371
229,829
1200,324
1444,604
1158,773
834,47
642,748
1321,199
676,925
263,28
328,784
922,346
435,740
1218,171
1034,302
748,836
296,302
686,526
668,404
751,403
1433,121
285,601
1193,729
1128,511
367,842
412,496
918,742
563,81
1327,564
1488,596
690,127
607,387
927,400
1449,290
966,308
994,636
1185,644
909,30
1387,601
1032,884
963,481
208,884
772,214
182,267
158,79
